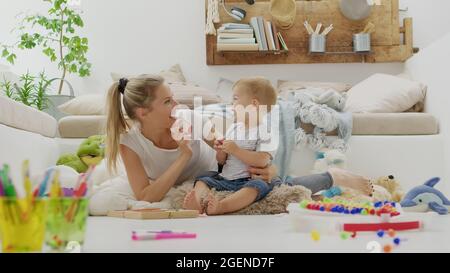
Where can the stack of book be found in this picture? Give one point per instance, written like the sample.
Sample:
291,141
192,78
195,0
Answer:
236,37
267,35
259,35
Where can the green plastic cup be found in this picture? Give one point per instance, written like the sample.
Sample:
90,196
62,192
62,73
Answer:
66,222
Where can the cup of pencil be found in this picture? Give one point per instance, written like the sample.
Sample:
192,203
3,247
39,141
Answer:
66,222
67,214
22,218
22,224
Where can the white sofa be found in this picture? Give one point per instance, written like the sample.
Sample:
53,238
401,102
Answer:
412,159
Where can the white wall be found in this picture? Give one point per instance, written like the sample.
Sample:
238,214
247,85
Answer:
145,36
431,65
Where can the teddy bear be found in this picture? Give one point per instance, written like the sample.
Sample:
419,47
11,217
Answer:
391,185
90,152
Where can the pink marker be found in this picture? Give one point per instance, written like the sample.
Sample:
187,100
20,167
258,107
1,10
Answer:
162,236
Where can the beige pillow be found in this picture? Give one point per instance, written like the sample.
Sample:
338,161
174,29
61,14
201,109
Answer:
85,105
286,88
174,74
184,93
290,86
383,93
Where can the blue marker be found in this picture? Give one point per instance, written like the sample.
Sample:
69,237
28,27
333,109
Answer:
44,183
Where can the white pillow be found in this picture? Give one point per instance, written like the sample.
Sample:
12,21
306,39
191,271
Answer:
383,93
225,90
174,74
85,105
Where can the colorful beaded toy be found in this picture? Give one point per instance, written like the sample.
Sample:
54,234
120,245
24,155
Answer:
344,207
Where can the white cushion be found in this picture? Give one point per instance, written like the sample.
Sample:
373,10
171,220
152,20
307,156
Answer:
17,115
383,93
93,104
174,74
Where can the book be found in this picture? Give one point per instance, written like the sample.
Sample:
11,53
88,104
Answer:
275,36
153,214
234,35
269,35
262,33
254,23
236,26
237,47
239,31
283,44
237,41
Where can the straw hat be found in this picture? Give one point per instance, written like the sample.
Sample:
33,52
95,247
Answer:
283,12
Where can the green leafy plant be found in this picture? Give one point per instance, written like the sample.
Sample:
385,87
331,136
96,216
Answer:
32,90
55,34
7,88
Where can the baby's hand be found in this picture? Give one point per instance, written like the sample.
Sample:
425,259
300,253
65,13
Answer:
229,146
218,144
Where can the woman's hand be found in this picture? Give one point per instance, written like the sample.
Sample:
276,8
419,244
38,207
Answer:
218,144
266,174
229,146
185,147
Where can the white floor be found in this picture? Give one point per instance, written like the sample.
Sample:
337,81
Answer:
246,234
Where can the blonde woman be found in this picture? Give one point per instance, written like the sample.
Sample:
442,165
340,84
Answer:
155,162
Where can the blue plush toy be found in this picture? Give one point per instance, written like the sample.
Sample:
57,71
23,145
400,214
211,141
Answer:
425,198
332,192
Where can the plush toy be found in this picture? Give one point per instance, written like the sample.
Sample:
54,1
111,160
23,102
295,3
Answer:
333,99
72,161
426,198
332,192
327,159
90,152
392,186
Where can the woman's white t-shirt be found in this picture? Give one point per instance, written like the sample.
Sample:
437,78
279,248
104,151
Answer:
156,160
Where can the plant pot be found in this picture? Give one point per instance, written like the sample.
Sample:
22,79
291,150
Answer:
56,100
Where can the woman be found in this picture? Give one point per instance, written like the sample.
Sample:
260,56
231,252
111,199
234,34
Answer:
153,160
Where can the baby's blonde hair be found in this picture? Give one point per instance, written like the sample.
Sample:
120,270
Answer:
260,88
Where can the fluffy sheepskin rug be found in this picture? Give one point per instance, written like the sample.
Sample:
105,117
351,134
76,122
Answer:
274,203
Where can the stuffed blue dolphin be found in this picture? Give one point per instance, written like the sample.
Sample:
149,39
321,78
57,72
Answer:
425,198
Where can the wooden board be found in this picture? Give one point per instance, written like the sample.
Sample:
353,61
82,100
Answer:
147,214
386,41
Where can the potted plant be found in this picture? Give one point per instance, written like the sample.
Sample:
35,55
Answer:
55,34
30,90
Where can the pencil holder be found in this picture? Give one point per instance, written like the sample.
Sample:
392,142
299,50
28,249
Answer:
361,42
317,43
22,224
66,222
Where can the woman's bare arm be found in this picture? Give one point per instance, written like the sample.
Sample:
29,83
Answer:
266,174
144,188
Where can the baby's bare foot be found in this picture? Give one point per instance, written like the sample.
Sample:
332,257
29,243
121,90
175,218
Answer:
214,207
347,179
190,202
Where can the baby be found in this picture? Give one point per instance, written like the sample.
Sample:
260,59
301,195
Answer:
245,144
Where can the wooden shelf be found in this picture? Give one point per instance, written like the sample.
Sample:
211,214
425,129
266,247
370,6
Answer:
256,53
387,42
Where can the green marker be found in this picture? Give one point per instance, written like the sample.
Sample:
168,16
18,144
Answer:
9,189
